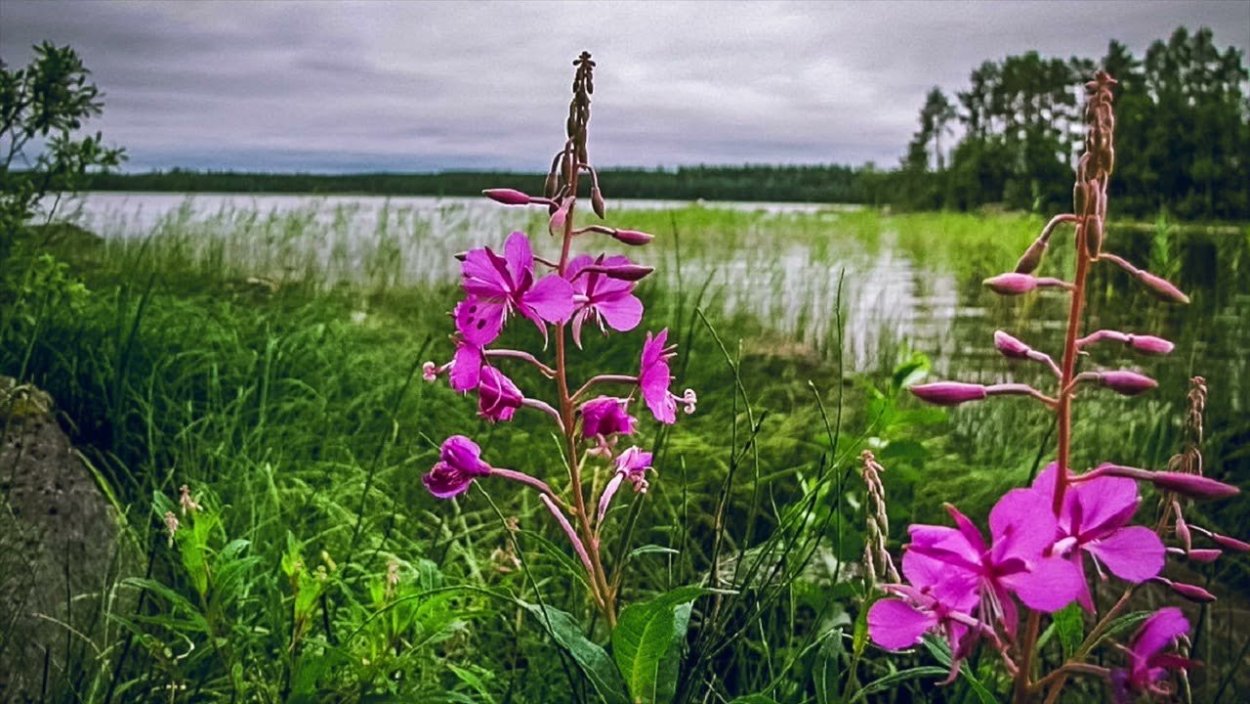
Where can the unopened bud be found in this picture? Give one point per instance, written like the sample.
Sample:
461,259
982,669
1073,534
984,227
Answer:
1229,543
1012,284
1193,592
429,372
1204,555
507,196
1149,344
1193,485
552,184
1032,257
1122,381
1182,528
559,218
623,272
1093,235
1010,346
633,237
1161,287
596,202
948,393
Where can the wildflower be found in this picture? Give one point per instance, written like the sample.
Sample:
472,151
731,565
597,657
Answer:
1148,666
171,527
1022,527
499,286
497,397
607,301
1094,521
631,465
606,415
459,464
655,378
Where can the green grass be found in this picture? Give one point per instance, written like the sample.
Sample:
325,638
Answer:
294,410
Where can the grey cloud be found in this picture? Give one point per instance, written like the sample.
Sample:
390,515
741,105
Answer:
422,85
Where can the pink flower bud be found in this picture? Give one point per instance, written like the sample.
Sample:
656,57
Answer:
1204,555
633,237
1193,485
1149,344
1010,346
596,202
1012,284
429,371
1193,592
948,393
1124,382
559,218
1182,528
507,196
1161,287
625,272
1230,543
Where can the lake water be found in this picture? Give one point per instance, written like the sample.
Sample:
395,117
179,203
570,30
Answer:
780,263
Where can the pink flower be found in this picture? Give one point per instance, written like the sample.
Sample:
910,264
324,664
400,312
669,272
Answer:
466,366
1148,666
607,301
459,464
1094,521
631,465
1022,527
499,286
606,415
497,397
948,393
655,378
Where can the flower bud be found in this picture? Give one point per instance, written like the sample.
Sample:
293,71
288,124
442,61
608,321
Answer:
1161,287
596,202
1093,235
1204,555
1149,344
1122,382
552,184
1193,592
1230,543
1010,346
1032,257
948,393
1193,485
625,272
1011,284
1182,528
507,196
559,218
632,237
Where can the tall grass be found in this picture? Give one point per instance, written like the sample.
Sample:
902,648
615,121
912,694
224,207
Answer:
267,362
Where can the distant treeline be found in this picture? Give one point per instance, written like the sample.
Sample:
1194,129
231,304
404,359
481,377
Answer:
819,184
1010,139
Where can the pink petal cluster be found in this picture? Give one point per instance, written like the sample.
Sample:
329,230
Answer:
498,287
655,378
1094,523
955,576
1148,665
602,299
459,463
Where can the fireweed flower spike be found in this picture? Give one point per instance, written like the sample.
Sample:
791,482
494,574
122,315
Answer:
570,290
1148,665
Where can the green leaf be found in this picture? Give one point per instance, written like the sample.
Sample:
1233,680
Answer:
652,549
1069,623
754,699
647,642
892,680
590,658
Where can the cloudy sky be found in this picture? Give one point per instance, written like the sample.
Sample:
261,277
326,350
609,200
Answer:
410,86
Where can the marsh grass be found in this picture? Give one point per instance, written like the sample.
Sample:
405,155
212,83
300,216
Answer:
269,362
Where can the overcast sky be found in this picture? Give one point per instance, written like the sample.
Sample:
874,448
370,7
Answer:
410,86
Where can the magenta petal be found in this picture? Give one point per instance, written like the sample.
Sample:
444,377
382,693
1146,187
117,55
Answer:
551,298
481,276
1022,525
1166,625
621,314
445,482
894,625
1107,503
1050,585
466,368
1083,597
519,255
1134,553
479,321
